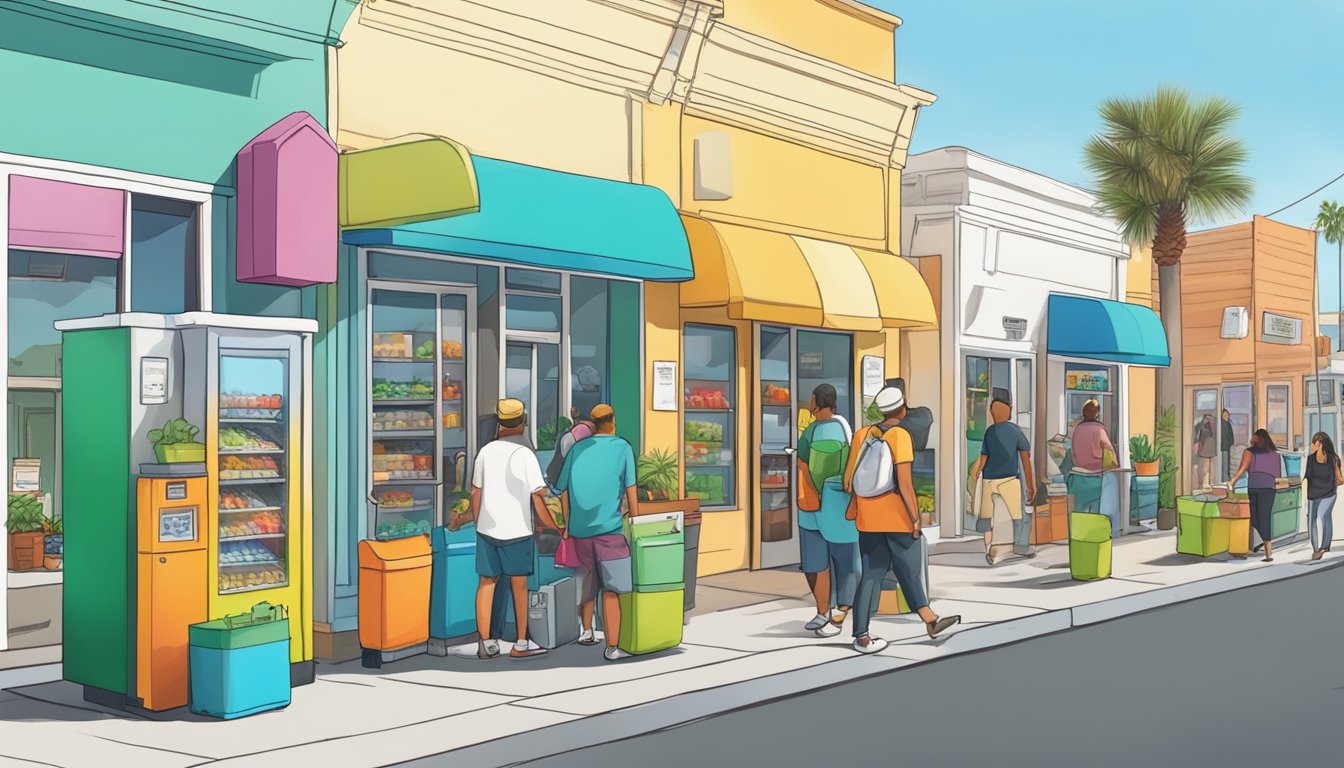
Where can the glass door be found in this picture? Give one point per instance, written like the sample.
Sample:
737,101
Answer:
405,371
532,375
254,407
456,385
778,440
1205,430
1239,402
983,376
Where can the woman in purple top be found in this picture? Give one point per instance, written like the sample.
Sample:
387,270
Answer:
1260,464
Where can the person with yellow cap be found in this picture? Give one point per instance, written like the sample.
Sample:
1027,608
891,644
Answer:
598,474
507,488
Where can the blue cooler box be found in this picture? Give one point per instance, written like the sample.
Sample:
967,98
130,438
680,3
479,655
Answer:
452,588
239,665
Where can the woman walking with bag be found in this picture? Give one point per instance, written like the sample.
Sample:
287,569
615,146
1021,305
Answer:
1323,479
1260,463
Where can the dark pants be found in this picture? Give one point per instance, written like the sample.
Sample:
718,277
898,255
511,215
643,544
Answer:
1262,504
902,554
1227,466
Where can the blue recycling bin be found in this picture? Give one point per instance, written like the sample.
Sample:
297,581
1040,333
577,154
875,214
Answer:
239,665
452,591
1292,464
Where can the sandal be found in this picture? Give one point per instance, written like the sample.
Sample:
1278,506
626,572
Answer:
938,626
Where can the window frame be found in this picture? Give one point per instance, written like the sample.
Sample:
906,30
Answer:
733,418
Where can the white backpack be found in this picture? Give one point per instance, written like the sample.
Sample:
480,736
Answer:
874,472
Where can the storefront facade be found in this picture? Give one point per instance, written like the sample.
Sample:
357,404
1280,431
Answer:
791,216
144,217
1249,340
523,265
1007,243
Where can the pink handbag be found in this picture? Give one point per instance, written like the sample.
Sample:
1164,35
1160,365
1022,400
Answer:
567,554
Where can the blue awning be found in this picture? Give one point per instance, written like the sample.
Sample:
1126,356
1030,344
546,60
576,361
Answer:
537,217
1109,331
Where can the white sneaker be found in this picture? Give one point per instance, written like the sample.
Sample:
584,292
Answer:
816,623
869,644
829,629
614,654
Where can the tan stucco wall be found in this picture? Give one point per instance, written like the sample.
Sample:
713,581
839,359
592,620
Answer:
845,33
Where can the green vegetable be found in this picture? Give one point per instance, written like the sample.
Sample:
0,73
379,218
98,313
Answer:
25,514
174,432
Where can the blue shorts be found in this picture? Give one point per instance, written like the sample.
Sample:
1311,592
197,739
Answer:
495,558
817,554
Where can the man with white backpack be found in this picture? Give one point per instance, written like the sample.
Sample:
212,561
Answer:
879,477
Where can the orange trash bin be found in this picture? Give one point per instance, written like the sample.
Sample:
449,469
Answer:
394,579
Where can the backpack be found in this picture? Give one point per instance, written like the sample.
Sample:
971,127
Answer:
563,445
875,471
828,456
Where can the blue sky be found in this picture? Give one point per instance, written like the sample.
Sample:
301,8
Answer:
1020,81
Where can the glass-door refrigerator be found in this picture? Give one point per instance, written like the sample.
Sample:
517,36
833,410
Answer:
258,441
421,414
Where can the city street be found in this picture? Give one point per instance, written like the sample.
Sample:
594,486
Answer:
1247,678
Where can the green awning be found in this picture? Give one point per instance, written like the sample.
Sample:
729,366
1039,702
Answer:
421,179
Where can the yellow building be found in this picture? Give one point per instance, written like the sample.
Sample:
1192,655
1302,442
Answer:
1141,288
780,133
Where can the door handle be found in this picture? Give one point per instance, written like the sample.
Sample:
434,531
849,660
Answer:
163,559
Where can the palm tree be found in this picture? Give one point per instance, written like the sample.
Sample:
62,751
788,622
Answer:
1330,223
1159,162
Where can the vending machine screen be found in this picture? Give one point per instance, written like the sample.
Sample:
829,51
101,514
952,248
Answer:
177,525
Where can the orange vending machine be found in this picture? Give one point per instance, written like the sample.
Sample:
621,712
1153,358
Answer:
172,581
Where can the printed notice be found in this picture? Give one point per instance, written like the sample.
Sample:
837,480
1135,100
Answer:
153,380
874,375
664,386
26,476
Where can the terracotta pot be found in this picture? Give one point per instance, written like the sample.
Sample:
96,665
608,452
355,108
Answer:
52,562
1147,468
25,550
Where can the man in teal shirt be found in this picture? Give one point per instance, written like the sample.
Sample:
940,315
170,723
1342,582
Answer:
599,473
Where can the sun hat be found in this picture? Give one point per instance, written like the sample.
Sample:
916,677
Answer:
889,399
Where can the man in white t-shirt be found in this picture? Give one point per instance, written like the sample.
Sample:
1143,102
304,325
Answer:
506,488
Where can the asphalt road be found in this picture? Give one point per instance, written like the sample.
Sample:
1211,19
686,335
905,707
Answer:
1249,678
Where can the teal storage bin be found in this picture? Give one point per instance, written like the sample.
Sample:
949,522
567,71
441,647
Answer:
1086,492
1089,546
239,665
657,552
452,589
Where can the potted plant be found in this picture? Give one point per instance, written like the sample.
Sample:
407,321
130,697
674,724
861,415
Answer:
53,547
1144,456
176,443
656,475
26,526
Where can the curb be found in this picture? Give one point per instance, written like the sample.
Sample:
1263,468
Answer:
693,706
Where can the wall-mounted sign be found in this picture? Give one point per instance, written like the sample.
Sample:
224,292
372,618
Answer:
810,365
26,476
153,380
1092,380
874,375
664,386
1280,329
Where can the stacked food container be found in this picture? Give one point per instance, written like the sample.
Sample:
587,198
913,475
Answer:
651,615
239,665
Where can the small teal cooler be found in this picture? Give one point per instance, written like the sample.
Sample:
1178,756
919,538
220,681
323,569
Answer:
1143,498
239,665
452,590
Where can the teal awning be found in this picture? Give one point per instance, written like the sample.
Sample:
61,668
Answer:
1108,331
537,217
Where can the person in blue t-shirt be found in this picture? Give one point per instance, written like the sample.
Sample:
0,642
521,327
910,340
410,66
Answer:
599,473
1004,455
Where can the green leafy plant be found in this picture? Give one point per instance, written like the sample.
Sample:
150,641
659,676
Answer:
1166,451
25,514
548,435
1141,450
871,414
656,473
174,432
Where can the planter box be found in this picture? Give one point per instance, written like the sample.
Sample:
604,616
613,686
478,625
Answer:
1202,536
1235,509
26,550
1239,536
181,453
1147,468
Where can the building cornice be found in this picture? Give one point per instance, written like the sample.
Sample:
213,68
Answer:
754,83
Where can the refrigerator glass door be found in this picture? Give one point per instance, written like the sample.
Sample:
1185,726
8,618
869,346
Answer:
254,469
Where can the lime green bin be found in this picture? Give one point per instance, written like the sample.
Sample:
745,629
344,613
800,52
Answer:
1089,546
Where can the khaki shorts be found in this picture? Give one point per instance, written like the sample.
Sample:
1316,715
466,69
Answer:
1009,489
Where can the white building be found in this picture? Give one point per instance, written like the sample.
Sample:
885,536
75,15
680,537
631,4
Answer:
1001,241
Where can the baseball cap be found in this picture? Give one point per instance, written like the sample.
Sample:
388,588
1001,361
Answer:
602,411
889,399
509,409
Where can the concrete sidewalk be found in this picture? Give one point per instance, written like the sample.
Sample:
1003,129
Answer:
744,645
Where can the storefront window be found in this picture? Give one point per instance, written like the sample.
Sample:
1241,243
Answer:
45,288
826,358
1276,414
710,446
532,280
164,259
540,314
588,328
33,435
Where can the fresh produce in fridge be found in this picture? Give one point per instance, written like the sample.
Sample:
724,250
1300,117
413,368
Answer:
705,398
704,432
255,524
425,351
251,578
395,499
702,453
241,499
416,389
402,421
452,389
245,553
236,400
248,468
239,440
777,395
401,529
453,350
452,420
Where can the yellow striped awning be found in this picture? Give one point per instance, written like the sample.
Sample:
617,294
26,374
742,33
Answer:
778,278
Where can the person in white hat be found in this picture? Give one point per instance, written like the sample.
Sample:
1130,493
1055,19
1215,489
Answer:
888,520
